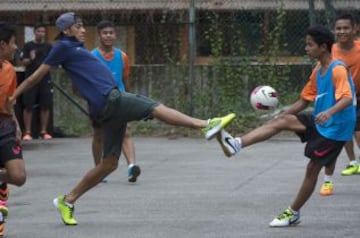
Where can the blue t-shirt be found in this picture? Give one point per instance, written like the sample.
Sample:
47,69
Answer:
89,76
340,125
116,65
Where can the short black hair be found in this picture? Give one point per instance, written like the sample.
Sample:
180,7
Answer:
7,31
346,16
103,24
38,25
321,35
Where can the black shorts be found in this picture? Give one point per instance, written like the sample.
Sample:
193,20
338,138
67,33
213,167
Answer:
357,125
318,148
10,147
41,94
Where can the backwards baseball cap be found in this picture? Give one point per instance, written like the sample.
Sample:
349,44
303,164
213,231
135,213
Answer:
65,20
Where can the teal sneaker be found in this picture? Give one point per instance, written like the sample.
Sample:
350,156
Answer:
287,218
133,172
216,124
65,210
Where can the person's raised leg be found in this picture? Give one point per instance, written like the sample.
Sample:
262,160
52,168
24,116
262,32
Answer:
231,145
209,127
285,122
174,117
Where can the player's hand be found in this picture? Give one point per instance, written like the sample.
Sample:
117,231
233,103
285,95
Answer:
32,54
322,117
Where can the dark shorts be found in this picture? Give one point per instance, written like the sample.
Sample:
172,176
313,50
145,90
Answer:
10,147
357,126
41,94
318,148
122,107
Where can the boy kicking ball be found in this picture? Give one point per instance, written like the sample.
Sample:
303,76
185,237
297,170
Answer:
325,131
108,106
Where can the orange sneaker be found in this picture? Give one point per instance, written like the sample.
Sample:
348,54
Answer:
2,227
327,188
27,136
4,192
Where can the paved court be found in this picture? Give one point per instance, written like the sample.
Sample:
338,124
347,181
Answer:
187,189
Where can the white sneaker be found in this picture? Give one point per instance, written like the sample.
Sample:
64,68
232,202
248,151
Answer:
229,144
287,218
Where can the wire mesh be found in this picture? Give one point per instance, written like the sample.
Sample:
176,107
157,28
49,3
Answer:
238,44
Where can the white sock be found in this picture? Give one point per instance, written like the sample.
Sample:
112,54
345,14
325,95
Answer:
354,162
327,178
69,204
236,142
239,141
130,166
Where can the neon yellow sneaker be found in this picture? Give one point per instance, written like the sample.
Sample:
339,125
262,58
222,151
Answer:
2,226
327,188
286,218
216,124
4,208
65,210
350,170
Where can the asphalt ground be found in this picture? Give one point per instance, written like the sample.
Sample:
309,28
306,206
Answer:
187,189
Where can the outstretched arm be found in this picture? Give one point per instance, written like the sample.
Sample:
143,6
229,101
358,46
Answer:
30,81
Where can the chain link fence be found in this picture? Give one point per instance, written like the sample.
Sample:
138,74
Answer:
202,57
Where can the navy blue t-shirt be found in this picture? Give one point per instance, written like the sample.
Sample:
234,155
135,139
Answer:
89,76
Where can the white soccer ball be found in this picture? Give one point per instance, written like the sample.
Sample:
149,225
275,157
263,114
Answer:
264,98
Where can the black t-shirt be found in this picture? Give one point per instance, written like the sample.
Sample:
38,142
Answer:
41,52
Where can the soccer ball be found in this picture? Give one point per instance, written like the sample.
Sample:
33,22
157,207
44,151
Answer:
264,98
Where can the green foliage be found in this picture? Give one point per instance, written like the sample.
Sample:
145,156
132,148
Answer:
221,87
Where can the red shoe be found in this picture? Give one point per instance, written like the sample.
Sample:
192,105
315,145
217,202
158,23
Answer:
46,136
27,136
